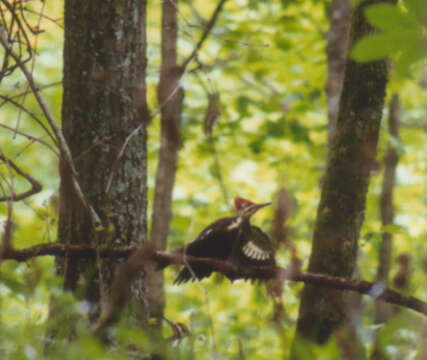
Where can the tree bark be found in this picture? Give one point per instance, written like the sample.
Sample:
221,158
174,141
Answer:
386,201
170,97
104,101
337,52
341,210
337,48
387,218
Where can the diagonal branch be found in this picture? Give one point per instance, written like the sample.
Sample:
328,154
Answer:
208,28
65,150
29,113
29,137
35,185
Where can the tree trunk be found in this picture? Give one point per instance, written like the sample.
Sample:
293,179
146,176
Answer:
104,101
170,96
341,210
387,218
340,18
337,51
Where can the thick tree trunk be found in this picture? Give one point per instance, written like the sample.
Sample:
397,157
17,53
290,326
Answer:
342,205
337,51
104,101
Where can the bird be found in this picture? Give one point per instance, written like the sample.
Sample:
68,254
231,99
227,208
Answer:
231,238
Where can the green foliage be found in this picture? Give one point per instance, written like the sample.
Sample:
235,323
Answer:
402,34
267,60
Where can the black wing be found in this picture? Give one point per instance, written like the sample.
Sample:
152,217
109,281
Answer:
214,242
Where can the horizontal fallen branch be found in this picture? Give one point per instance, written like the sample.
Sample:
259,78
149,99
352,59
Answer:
149,256
139,257
76,251
142,255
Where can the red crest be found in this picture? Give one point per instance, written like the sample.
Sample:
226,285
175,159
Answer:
240,203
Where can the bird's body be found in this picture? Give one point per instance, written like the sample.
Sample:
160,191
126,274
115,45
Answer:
233,239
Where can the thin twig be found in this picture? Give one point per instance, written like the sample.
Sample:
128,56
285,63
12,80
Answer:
120,155
208,28
55,21
65,150
183,69
43,87
415,125
35,185
32,138
7,233
33,63
29,113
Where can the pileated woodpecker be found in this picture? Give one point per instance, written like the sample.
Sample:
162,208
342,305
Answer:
231,238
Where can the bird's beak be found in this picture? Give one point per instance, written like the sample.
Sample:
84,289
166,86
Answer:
248,212
260,206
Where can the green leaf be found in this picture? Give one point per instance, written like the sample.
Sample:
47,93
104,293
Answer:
380,46
374,47
412,55
417,10
389,17
13,284
392,229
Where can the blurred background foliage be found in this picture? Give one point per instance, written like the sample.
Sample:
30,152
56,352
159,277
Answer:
267,60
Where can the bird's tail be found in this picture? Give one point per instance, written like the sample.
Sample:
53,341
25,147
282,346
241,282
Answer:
196,273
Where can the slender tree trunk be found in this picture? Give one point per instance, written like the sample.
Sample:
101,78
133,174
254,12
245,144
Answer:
170,97
104,101
387,218
337,49
341,210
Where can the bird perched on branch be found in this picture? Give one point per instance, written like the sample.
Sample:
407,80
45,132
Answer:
231,238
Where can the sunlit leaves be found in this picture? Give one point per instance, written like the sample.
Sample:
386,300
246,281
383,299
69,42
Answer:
389,17
267,61
402,35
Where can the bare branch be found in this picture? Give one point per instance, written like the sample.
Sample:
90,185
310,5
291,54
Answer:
30,114
148,254
7,233
62,250
208,28
143,256
65,150
32,138
174,90
25,92
120,155
35,185
416,125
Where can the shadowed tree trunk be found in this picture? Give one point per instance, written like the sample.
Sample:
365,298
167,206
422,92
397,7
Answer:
337,51
341,210
387,218
104,101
